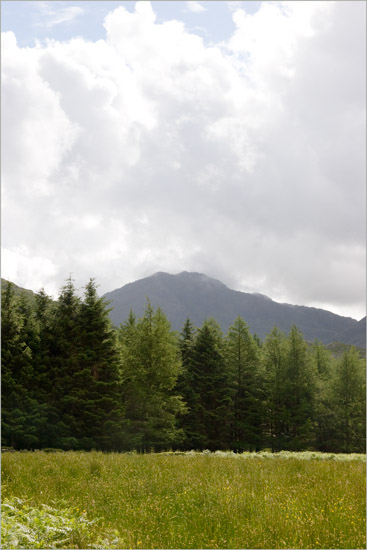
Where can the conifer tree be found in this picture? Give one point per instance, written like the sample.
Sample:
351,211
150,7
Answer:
151,366
349,400
42,365
300,393
65,351
324,409
96,383
210,407
184,385
133,386
243,363
22,415
276,414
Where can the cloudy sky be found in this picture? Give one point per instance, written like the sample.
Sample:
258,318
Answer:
221,137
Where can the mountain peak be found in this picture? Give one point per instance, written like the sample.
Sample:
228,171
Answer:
189,276
197,297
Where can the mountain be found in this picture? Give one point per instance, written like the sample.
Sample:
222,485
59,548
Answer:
198,297
18,289
354,336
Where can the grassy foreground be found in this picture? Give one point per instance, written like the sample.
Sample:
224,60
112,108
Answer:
191,500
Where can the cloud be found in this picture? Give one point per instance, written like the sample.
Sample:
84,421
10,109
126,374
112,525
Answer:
151,151
195,7
49,17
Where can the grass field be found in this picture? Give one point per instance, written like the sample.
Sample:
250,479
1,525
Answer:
192,500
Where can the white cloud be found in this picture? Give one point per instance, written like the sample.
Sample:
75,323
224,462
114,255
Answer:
194,6
151,151
49,17
34,271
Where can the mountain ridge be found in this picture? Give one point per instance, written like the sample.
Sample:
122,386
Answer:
196,296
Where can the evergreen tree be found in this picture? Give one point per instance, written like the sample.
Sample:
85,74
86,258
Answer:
133,386
22,415
184,385
210,406
324,410
65,352
11,359
150,369
96,383
349,400
300,393
243,363
276,415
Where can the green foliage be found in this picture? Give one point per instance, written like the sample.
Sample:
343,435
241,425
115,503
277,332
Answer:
275,364
71,381
96,384
57,526
150,367
246,381
209,407
348,397
24,526
299,394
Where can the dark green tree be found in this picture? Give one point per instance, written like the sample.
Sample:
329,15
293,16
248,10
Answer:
300,393
324,366
22,414
274,358
246,380
185,387
211,403
96,384
349,401
65,352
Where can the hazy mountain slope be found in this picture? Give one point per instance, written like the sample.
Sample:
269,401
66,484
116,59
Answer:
198,297
354,336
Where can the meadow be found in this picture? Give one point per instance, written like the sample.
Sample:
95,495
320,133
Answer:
183,500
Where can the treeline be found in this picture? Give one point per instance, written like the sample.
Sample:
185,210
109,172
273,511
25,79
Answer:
72,381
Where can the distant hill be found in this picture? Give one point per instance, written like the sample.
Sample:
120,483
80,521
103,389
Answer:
18,289
198,297
354,336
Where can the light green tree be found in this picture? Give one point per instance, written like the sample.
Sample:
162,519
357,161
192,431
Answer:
151,365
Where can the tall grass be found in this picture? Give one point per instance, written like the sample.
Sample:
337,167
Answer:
199,500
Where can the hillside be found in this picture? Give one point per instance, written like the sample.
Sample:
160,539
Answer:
18,290
198,297
354,336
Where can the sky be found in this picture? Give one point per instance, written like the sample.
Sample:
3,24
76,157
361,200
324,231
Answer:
226,138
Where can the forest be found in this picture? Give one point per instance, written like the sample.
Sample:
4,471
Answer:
72,381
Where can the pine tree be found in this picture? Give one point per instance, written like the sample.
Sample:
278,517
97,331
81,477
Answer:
11,352
65,351
243,363
133,386
324,409
184,385
300,393
349,400
22,414
96,383
150,369
210,407
276,414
